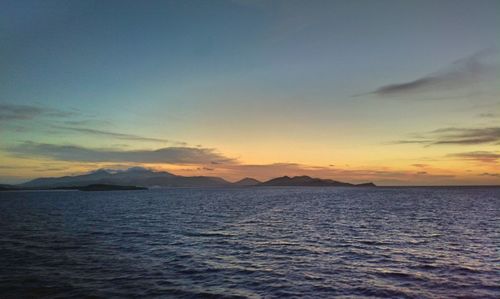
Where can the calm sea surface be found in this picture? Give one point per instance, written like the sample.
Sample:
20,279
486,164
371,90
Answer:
251,243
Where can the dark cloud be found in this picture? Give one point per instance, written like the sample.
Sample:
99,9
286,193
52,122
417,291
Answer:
497,175
409,86
457,136
18,112
171,155
110,134
489,115
10,112
461,73
84,122
51,169
478,156
467,135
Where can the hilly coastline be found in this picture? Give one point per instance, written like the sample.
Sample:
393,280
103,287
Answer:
135,176
139,178
310,182
247,182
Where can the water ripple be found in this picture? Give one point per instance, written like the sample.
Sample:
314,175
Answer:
251,243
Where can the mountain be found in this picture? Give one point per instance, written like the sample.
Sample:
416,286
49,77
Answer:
309,181
247,182
135,176
142,177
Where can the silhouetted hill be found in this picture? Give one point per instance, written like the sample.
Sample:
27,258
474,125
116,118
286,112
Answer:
135,176
246,182
309,181
101,176
92,187
103,187
141,177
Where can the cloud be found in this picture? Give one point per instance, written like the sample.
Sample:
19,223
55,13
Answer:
14,167
478,156
409,141
83,122
497,175
18,112
467,135
462,73
170,155
489,115
420,165
11,112
110,134
51,169
457,136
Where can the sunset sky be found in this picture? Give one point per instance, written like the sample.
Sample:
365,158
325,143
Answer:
395,92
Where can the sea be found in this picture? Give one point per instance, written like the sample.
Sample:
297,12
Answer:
256,242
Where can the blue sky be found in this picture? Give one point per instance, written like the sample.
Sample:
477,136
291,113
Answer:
251,79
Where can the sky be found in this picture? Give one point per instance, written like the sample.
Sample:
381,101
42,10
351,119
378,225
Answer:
394,92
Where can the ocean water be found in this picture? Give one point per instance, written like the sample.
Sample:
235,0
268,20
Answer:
251,243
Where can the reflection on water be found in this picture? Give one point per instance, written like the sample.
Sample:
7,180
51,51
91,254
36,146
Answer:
251,243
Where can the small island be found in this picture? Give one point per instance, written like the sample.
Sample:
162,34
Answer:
105,187
91,187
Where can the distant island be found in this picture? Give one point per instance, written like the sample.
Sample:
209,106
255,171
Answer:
310,182
105,187
92,187
138,178
6,188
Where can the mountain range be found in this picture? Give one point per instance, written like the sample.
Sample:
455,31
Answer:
311,182
142,177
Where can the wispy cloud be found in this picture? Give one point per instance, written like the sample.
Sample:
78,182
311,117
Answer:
110,134
84,122
467,135
461,73
18,112
457,136
12,112
489,115
497,175
478,156
420,165
64,120
14,167
170,155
